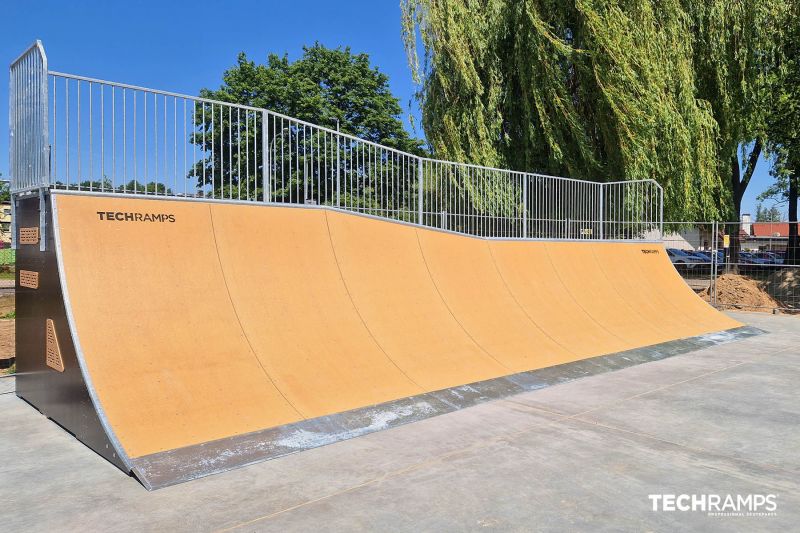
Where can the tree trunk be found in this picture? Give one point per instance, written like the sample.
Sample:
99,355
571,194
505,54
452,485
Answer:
732,253
792,251
739,183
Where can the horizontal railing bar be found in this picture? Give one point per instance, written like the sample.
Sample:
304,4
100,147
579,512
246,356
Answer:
654,182
76,77
152,91
521,173
472,165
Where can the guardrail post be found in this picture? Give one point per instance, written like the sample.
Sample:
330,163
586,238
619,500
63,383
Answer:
306,151
266,183
13,221
712,290
419,192
661,210
338,168
525,207
602,212
42,219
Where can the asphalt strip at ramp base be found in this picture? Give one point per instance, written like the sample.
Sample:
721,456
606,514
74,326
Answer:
219,334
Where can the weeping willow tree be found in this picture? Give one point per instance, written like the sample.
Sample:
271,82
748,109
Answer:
739,47
597,90
783,127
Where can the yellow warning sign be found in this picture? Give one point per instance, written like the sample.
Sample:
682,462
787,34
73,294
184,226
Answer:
726,241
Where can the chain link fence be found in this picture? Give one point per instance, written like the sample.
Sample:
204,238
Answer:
738,265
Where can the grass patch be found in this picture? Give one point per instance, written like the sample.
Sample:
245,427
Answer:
8,275
12,369
7,256
12,315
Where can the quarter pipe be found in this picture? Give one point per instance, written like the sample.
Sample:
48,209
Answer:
179,338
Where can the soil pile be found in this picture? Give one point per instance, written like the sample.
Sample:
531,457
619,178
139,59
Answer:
6,333
7,304
6,339
784,286
740,292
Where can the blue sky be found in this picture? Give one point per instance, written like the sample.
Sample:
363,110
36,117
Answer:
183,46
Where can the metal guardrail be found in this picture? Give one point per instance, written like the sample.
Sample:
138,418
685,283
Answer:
28,127
86,134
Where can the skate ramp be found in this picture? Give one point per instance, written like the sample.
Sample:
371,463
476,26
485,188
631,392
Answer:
220,322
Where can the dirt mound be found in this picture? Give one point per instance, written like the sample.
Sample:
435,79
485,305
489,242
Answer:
7,304
740,292
784,286
6,339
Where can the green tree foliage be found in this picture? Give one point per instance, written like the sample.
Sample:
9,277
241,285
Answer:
598,90
767,214
785,190
328,87
783,127
5,189
737,49
106,185
781,172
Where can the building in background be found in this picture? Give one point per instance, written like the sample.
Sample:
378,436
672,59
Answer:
747,222
5,224
753,236
767,236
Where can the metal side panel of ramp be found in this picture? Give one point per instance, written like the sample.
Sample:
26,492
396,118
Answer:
212,335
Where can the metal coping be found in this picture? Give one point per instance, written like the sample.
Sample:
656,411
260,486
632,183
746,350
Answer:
171,467
87,378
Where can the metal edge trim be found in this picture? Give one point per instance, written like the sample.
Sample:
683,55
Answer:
170,467
87,378
37,44
56,191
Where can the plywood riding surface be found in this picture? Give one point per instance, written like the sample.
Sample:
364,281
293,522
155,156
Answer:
215,320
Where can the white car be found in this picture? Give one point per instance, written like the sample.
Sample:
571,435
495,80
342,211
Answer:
682,260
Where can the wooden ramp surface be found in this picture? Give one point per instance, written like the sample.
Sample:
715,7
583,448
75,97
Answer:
236,318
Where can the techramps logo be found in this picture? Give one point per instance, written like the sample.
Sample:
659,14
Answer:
121,216
719,505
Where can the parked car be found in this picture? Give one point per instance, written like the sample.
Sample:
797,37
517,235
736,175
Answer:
706,254
770,257
684,261
750,261
705,257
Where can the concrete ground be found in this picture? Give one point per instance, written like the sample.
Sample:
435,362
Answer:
582,456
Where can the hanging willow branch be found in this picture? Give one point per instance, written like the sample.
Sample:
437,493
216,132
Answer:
597,90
